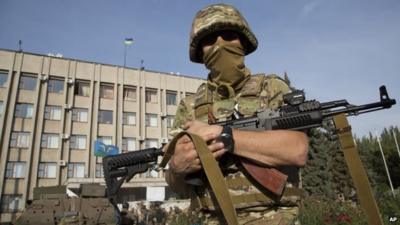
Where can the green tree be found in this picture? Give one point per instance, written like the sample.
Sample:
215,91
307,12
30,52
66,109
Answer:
286,78
315,175
326,172
341,180
368,147
372,158
326,175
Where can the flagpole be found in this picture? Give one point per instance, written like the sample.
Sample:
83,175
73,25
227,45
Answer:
395,140
125,47
20,45
384,162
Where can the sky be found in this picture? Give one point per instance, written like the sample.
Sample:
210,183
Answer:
342,49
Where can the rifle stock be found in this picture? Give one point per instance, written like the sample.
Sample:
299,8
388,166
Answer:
270,178
122,167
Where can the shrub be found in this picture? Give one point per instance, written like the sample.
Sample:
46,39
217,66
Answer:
322,210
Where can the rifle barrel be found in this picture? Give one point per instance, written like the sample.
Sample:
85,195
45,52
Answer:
334,104
355,110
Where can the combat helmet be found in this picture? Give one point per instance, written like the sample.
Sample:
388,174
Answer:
218,17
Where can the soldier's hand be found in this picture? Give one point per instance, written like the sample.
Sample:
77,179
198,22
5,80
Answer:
185,159
208,133
204,130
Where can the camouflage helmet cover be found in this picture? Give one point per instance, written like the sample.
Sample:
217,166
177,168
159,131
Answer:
215,18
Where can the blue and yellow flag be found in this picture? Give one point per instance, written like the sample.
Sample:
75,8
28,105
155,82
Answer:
101,149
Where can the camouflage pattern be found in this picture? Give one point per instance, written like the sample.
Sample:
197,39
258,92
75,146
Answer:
223,109
219,17
184,113
260,92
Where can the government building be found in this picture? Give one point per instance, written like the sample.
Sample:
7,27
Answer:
53,109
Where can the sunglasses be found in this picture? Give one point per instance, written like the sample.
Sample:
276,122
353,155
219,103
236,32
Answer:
227,35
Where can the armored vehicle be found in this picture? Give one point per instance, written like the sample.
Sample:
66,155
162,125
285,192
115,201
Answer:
51,205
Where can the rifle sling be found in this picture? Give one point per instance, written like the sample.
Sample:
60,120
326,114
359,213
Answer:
357,171
213,173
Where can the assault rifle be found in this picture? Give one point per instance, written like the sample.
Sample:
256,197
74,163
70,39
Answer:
296,114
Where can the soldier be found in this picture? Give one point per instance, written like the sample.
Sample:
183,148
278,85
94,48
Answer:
143,214
126,216
160,214
220,38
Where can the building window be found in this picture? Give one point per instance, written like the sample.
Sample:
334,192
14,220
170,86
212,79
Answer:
78,142
151,96
24,110
76,170
129,93
151,120
55,86
105,116
105,139
11,203
47,170
20,139
99,170
27,82
151,143
128,144
129,118
15,170
106,91
171,98
50,140
80,115
52,113
3,78
1,108
82,88
170,121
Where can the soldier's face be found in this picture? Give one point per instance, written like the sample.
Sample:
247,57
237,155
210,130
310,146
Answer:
211,39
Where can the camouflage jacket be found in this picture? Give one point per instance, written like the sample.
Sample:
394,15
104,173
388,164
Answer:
259,93
211,104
